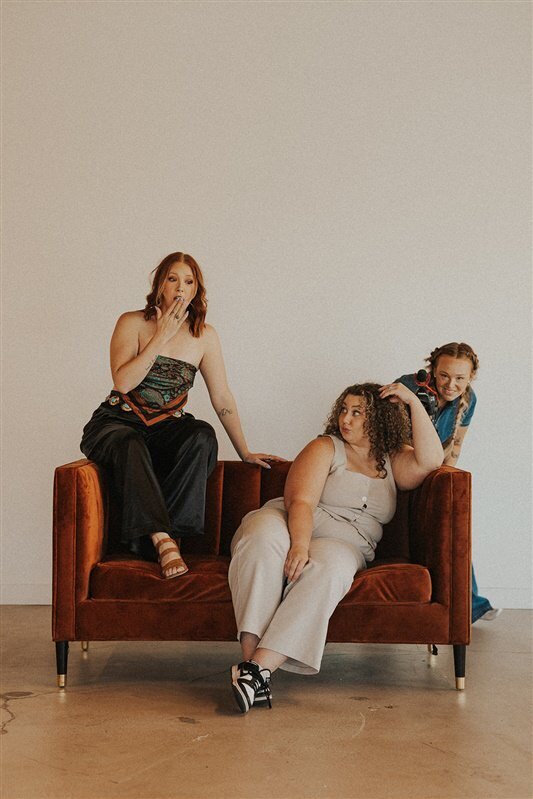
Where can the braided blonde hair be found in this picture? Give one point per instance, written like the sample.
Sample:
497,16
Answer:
455,350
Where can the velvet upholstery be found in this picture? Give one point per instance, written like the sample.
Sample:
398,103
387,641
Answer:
417,590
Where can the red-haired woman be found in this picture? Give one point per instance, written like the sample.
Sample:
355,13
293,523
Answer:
451,369
157,456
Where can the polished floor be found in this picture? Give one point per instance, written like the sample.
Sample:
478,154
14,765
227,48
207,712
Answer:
151,721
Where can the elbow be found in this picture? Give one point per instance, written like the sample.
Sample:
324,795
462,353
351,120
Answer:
294,504
432,463
437,461
120,385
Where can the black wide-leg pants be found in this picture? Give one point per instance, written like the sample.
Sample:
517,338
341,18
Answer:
158,474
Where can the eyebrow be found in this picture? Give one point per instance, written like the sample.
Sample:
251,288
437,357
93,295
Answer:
175,274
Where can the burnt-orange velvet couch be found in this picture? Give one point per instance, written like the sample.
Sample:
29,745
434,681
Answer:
416,591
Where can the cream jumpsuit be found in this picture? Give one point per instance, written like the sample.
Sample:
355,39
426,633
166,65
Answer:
292,618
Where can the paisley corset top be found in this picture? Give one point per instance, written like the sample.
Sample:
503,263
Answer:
162,393
167,379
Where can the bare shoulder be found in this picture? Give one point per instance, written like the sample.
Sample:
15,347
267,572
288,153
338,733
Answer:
308,474
131,320
209,334
320,448
210,342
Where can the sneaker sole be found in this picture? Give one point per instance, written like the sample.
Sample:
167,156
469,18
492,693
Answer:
238,693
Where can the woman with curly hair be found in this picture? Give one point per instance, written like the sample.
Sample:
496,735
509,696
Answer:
295,558
451,369
157,456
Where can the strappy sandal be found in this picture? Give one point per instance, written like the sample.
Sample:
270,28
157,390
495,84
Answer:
170,558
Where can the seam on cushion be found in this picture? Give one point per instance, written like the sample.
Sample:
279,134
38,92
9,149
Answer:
179,601
218,533
393,602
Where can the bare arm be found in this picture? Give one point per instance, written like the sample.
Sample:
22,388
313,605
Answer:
453,455
214,373
129,366
412,464
303,489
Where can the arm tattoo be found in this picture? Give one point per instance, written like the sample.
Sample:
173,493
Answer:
223,412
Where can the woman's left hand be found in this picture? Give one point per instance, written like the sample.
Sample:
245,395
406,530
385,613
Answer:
397,392
261,458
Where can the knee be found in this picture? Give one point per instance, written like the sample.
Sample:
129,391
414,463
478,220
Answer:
262,534
335,574
205,435
126,438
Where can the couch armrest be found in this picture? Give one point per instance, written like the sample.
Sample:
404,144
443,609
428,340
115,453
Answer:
80,513
440,539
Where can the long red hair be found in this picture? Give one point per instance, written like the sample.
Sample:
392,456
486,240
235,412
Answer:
198,306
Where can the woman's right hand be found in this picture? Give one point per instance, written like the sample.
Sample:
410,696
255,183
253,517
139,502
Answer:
297,557
168,323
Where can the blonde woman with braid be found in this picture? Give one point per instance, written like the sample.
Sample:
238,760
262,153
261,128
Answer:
451,369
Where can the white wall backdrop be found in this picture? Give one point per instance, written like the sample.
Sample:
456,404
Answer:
354,179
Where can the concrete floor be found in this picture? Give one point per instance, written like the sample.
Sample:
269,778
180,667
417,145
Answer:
149,721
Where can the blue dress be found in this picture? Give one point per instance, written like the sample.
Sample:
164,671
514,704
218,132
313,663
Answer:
444,423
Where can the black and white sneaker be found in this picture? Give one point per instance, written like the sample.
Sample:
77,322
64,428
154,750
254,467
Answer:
250,684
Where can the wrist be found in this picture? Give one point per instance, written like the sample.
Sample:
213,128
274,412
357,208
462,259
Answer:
157,341
300,545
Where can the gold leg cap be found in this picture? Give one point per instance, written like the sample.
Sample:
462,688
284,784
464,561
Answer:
460,683
430,648
84,646
61,680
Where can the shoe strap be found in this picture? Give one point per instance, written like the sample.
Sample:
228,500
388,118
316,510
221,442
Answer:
258,681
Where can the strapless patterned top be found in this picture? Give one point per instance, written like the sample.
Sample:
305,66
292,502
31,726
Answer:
162,394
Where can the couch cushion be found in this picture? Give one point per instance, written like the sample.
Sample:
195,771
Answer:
131,578
127,577
390,582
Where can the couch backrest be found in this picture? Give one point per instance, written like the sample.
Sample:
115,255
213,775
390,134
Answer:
236,488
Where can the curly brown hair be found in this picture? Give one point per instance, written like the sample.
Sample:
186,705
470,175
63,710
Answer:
386,423
197,307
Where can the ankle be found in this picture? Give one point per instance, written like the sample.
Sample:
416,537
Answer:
157,537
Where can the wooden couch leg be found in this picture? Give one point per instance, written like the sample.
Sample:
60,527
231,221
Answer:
84,646
61,661
459,659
